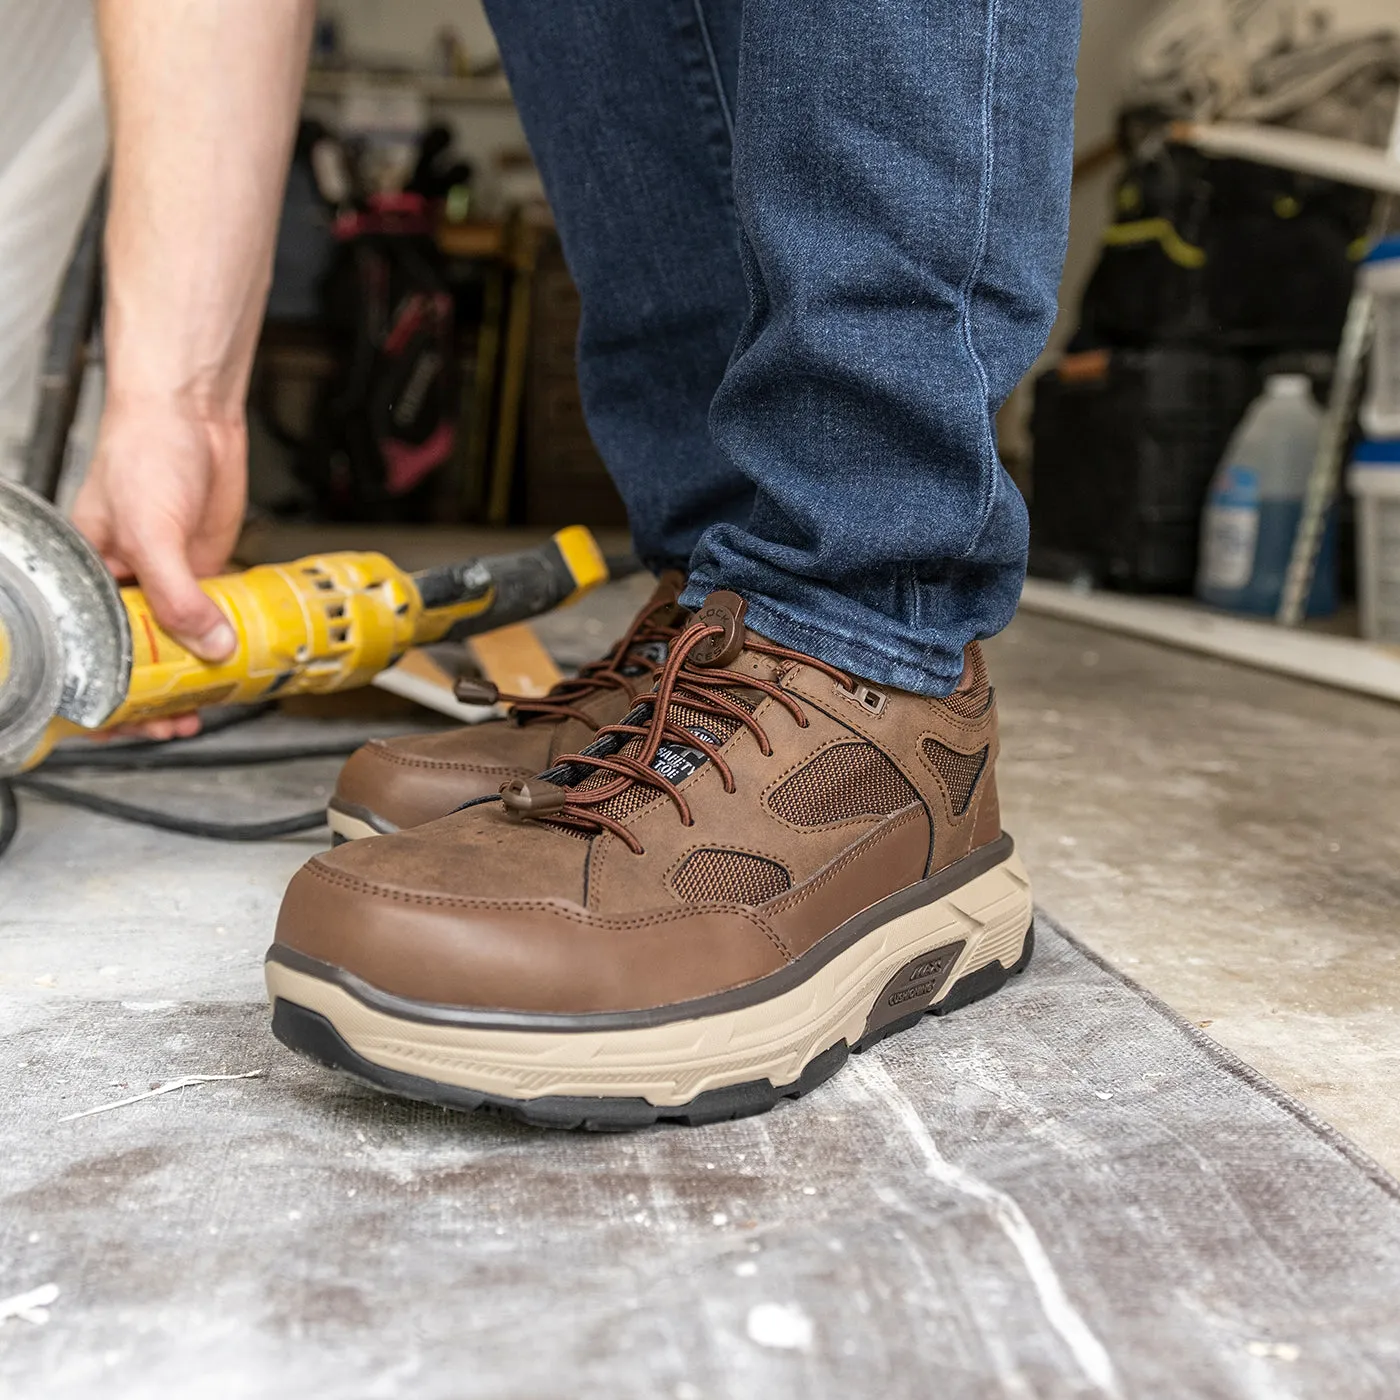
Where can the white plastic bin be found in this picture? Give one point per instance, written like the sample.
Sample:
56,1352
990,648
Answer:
1375,482
1380,273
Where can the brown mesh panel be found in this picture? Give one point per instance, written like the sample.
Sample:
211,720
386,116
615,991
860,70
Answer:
959,771
729,877
971,702
841,783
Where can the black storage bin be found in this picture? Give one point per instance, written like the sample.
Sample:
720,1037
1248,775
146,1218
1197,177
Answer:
1126,442
1281,253
1225,255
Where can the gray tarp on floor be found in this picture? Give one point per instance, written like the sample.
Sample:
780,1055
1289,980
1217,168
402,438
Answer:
1062,1191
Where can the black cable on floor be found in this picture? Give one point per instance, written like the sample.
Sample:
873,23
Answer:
127,753
166,821
9,815
151,755
170,754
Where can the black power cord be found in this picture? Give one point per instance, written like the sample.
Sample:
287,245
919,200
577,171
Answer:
165,755
9,816
127,753
151,755
164,821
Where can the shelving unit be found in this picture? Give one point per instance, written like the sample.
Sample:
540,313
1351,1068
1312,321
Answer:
1346,663
1350,163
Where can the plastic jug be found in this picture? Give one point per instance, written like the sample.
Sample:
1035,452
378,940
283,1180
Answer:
1255,501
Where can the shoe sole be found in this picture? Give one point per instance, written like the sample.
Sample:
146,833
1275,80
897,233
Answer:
939,955
349,821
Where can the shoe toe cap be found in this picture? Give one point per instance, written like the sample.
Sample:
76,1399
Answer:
404,783
431,948
420,917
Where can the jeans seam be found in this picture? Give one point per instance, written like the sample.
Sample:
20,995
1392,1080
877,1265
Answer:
975,270
709,43
705,67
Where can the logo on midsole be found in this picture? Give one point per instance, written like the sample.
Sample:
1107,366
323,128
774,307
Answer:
922,980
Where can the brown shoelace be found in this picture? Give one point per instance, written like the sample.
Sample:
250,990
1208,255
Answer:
680,681
563,700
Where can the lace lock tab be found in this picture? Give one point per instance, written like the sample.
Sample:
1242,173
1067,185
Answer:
726,610
867,697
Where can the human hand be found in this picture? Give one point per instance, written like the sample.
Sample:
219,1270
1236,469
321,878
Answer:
163,504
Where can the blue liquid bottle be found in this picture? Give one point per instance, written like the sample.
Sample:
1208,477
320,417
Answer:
1255,501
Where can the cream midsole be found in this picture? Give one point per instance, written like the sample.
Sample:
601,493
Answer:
671,1063
351,828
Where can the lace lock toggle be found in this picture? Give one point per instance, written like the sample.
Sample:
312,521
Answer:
531,797
470,691
726,610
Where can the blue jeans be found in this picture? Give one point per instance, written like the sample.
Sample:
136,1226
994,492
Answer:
818,242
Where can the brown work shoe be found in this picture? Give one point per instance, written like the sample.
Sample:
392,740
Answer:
392,784
766,864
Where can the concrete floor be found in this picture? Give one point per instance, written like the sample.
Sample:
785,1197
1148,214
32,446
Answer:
1224,836
1227,837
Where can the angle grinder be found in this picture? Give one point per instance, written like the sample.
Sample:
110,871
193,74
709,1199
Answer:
80,654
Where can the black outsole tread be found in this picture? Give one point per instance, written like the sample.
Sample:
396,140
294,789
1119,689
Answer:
312,1035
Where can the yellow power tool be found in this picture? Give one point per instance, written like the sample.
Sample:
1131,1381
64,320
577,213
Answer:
77,653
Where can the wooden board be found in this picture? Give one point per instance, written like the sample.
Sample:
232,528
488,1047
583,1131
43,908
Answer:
514,658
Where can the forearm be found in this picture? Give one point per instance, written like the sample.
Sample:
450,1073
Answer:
203,96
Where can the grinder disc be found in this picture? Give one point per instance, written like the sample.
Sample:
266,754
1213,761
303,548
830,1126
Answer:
65,645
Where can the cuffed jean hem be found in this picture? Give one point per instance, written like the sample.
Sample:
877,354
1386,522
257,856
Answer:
816,637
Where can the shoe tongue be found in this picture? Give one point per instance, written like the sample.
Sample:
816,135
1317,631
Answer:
644,657
674,760
663,612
